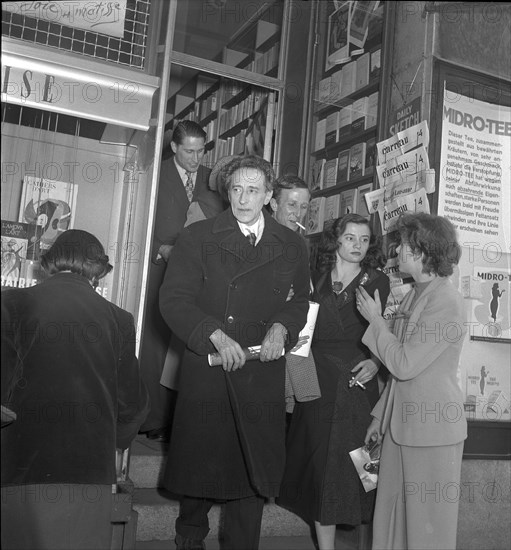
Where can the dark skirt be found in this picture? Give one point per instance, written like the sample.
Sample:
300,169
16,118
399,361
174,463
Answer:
320,481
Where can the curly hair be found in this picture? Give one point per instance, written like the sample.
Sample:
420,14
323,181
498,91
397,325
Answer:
327,250
434,237
79,252
225,177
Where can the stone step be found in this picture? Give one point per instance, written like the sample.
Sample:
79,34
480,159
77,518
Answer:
157,512
147,461
265,543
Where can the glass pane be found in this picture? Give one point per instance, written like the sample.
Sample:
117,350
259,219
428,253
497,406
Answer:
240,34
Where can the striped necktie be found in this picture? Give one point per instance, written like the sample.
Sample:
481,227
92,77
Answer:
189,186
251,238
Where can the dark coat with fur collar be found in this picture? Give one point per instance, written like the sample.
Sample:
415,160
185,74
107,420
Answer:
228,436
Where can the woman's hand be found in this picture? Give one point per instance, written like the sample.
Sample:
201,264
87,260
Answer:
367,370
373,432
230,351
369,309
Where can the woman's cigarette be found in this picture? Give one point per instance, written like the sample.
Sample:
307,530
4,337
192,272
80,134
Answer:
300,225
359,383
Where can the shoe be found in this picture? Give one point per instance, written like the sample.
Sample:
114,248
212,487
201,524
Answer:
159,434
189,544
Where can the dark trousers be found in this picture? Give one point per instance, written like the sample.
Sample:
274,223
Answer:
241,525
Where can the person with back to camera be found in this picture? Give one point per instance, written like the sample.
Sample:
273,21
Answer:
70,375
225,289
320,481
421,449
183,197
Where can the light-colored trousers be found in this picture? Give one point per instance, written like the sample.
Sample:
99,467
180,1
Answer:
417,497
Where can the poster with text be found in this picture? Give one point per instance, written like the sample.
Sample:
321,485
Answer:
475,175
490,312
486,382
90,15
48,203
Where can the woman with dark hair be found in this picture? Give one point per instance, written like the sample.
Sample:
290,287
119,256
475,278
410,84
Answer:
70,375
420,413
321,483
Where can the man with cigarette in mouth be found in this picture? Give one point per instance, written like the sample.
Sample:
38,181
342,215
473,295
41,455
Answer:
290,202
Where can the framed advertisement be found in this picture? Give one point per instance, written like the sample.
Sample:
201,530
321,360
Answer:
338,35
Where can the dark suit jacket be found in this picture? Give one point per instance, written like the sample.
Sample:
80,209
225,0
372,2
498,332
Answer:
215,279
172,204
70,374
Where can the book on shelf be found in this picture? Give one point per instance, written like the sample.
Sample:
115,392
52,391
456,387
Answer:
204,83
347,202
315,215
335,86
362,15
375,65
359,114
362,71
330,173
362,208
371,155
372,110
345,117
343,166
324,90
319,140
332,128
316,176
349,76
20,249
331,209
357,160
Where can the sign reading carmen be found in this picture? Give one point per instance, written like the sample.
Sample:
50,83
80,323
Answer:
103,16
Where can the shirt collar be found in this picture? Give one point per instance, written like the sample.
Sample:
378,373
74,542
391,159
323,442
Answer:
257,227
182,173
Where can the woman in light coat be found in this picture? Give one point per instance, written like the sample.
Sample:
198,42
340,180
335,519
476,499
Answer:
420,413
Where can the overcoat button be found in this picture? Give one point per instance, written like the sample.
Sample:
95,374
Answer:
230,319
233,285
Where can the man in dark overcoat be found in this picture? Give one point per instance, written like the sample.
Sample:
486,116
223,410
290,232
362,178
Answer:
226,288
176,205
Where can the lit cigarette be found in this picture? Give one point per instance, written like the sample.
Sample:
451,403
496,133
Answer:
359,384
300,225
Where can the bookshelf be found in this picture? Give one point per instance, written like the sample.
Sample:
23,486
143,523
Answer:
235,114
344,110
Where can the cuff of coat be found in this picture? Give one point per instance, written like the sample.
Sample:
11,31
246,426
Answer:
199,341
